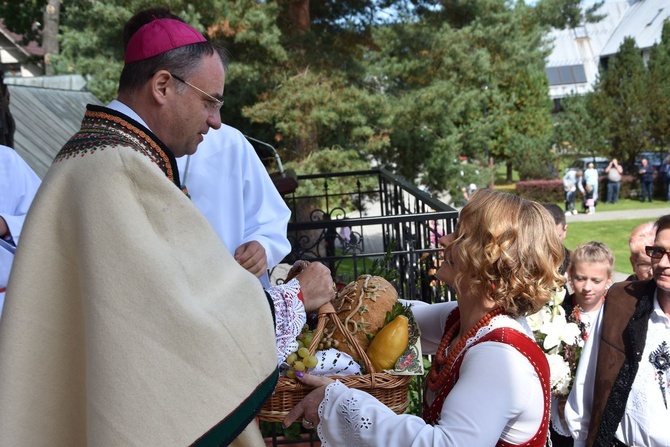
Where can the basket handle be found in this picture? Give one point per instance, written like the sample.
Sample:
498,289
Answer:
297,267
327,311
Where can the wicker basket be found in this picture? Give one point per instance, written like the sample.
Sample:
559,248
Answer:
390,389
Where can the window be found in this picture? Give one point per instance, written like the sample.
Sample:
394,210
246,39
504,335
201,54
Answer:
580,32
566,74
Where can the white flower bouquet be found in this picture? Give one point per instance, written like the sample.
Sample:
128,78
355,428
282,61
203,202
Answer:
561,338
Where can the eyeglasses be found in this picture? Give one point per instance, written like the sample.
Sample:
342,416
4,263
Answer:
214,103
656,252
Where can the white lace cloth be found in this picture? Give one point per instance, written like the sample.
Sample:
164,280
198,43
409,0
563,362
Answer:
498,395
331,362
290,316
645,421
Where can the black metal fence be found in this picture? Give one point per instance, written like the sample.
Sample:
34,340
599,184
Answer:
355,221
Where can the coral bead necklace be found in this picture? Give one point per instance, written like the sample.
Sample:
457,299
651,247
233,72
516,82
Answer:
443,361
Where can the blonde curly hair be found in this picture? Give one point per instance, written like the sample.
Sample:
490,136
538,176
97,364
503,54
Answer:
510,249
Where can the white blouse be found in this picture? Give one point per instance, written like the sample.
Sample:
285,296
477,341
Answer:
498,396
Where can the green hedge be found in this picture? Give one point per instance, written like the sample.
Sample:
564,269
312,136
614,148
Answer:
552,190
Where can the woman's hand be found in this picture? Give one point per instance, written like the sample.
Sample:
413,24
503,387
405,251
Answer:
308,407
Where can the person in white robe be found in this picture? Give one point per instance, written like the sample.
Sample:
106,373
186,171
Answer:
19,184
135,325
229,184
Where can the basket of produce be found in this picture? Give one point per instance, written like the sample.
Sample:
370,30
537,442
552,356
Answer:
364,330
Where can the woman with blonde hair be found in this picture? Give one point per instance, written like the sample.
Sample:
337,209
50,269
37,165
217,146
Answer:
489,382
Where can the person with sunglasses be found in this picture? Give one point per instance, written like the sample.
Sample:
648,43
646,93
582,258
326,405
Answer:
127,321
621,395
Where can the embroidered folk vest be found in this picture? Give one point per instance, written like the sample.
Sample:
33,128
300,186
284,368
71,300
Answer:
535,356
623,336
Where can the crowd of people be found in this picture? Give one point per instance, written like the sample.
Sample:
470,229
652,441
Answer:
585,182
138,310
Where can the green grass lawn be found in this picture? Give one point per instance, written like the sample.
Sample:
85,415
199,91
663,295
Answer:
625,204
613,233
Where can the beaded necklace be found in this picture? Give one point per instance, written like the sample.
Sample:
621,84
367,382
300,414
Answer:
443,361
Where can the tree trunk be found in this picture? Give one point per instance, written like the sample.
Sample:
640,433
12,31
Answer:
298,12
492,172
50,36
509,171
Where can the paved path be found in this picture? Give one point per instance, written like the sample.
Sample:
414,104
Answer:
651,214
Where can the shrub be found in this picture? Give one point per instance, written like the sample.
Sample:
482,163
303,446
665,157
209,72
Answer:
541,190
629,187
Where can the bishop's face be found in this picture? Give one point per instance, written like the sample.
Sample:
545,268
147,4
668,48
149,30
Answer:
194,109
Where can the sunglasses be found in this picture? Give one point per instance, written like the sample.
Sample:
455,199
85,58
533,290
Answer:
655,252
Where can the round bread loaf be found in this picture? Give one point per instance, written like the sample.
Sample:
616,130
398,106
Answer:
361,306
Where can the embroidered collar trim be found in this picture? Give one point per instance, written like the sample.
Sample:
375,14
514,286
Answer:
102,127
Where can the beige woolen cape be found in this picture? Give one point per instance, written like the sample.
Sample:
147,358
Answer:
127,321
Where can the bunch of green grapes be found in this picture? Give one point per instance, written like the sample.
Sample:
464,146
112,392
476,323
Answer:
301,359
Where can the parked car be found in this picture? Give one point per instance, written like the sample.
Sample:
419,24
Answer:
600,163
656,159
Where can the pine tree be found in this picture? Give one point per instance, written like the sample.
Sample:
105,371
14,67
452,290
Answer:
457,92
620,102
659,91
417,85
575,130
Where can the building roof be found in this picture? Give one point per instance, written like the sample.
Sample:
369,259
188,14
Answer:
574,62
574,46
45,120
572,66
642,21
17,60
32,49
